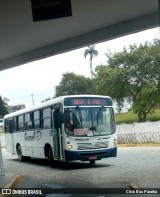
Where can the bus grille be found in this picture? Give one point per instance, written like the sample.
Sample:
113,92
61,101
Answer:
97,145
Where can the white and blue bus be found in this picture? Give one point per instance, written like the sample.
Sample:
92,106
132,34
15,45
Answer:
67,128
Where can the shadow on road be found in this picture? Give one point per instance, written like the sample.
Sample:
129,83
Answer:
62,165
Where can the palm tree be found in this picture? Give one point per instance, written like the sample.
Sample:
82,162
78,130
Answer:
91,52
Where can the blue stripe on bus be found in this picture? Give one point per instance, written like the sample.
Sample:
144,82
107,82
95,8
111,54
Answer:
87,155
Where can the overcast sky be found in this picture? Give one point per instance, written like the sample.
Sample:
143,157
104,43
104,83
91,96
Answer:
40,77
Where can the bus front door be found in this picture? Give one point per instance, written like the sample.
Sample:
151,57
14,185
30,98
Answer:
57,136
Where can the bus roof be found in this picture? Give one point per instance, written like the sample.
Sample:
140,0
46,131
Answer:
49,103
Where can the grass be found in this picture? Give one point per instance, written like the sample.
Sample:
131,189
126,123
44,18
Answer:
130,117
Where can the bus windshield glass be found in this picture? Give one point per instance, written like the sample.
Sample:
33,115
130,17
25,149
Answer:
89,121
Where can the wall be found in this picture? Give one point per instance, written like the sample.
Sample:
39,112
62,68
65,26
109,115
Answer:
148,132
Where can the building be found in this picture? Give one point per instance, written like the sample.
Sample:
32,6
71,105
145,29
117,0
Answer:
15,108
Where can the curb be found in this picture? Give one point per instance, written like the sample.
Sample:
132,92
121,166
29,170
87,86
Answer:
11,184
139,145
134,186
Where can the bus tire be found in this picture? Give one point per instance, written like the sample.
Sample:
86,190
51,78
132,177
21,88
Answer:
92,162
50,156
19,153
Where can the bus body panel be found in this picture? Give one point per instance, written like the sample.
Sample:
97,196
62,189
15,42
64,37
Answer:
90,155
91,148
18,139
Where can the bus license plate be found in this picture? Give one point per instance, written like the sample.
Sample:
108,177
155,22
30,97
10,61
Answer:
92,157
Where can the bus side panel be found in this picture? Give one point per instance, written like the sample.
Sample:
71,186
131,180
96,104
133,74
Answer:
47,136
33,143
41,137
18,139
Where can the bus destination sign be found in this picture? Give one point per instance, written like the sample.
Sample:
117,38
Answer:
87,101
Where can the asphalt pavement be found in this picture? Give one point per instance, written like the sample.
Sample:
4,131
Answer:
11,179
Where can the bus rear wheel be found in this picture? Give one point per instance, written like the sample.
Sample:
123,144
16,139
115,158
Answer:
19,153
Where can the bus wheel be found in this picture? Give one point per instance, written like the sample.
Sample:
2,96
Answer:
92,162
19,153
50,156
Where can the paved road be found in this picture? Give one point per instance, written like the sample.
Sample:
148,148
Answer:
133,164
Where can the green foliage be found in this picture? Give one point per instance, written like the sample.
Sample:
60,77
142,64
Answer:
111,82
3,109
133,73
72,84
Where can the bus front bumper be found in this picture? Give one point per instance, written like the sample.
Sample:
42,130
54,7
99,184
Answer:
90,155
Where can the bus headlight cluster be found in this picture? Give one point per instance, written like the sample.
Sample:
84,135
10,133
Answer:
114,142
69,146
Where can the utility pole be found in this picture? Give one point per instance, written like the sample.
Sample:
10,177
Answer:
32,99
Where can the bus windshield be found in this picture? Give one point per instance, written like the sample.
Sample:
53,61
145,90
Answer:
89,121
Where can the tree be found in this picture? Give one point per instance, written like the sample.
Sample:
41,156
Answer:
134,73
91,52
3,108
74,84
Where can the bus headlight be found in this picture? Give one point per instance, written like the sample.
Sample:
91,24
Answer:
69,146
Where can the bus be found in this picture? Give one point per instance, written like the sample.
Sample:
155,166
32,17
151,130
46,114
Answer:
66,128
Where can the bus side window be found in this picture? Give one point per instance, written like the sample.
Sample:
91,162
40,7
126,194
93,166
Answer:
9,126
6,129
46,118
36,118
27,121
21,122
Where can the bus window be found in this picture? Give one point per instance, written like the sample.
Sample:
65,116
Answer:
21,122
6,129
15,124
46,118
9,126
36,117
28,122
71,120
87,121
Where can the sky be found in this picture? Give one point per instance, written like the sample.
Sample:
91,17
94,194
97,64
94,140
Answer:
38,79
